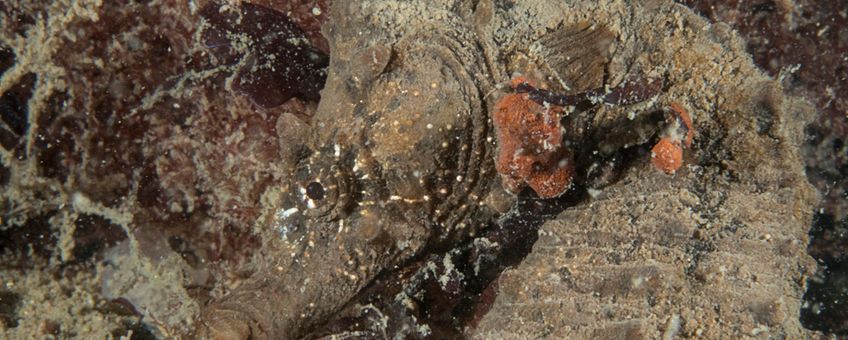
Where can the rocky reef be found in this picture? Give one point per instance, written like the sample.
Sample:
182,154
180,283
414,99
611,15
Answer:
278,169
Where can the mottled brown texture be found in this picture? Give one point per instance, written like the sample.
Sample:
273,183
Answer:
804,43
309,15
137,130
263,45
715,251
119,121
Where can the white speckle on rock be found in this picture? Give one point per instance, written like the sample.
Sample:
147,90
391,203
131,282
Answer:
288,212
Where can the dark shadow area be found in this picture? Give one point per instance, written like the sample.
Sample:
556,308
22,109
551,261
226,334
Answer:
27,243
10,302
7,59
826,300
92,235
14,113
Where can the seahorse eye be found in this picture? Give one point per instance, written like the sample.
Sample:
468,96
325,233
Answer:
315,191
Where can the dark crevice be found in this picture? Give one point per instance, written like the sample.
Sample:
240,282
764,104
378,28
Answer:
56,153
10,302
826,300
94,234
7,59
5,175
134,331
14,105
34,237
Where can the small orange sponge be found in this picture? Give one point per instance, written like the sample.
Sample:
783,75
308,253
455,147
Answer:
530,146
667,155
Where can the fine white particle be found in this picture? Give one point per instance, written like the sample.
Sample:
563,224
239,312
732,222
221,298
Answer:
288,212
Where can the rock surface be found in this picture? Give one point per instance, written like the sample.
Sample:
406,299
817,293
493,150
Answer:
716,250
143,177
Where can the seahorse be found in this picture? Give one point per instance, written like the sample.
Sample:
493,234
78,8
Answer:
400,158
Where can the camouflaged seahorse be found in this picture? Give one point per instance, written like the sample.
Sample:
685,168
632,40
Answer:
400,158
